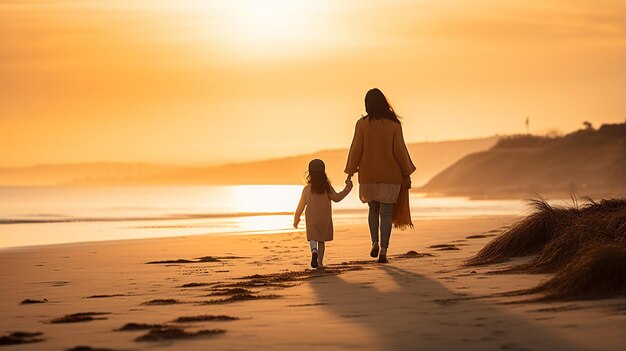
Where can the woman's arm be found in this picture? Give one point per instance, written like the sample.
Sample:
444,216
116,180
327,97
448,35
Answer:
300,208
401,153
336,197
356,150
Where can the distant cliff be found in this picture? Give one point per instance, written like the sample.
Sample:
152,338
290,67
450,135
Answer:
587,161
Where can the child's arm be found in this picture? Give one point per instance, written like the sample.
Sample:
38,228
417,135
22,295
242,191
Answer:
333,195
299,209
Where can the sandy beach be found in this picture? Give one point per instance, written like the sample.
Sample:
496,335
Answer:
156,155
251,292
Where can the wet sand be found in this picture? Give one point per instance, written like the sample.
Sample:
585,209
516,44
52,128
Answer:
255,292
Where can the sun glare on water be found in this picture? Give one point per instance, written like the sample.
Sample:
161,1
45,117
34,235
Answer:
265,199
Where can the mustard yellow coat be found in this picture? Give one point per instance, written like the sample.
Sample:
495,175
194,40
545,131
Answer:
378,152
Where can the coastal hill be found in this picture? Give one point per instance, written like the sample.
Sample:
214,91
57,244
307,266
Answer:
588,162
430,158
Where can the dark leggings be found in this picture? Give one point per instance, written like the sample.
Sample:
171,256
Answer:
380,216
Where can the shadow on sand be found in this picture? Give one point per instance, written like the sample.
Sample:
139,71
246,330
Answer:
408,316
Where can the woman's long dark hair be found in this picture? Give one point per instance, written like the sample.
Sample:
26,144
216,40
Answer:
377,106
320,184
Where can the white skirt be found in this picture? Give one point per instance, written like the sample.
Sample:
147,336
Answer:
381,192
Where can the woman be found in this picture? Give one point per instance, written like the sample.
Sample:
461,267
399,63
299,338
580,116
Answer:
380,156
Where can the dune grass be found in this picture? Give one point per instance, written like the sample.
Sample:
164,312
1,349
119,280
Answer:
577,242
527,236
598,273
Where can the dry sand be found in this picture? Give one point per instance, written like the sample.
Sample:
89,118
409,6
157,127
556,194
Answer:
87,291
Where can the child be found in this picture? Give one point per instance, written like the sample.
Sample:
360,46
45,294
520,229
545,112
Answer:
316,197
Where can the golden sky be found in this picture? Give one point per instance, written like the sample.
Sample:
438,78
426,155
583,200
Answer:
218,81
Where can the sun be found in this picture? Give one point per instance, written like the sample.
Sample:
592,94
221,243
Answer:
267,25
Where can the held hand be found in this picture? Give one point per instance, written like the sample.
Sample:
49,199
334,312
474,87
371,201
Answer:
349,184
407,182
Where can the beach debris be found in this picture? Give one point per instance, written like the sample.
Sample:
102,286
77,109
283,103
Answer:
413,254
140,326
308,304
204,318
480,236
241,297
562,308
79,317
230,291
32,301
444,247
193,285
180,260
203,259
20,337
281,280
88,348
172,333
255,283
103,296
53,283
159,302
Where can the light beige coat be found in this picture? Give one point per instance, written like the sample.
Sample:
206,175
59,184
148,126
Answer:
319,215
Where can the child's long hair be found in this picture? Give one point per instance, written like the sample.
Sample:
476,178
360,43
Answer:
320,184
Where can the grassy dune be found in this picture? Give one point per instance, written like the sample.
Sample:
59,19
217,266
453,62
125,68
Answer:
583,244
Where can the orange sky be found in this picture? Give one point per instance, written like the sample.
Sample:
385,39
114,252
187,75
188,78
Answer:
215,81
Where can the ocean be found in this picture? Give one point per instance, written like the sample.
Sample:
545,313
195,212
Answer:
54,215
